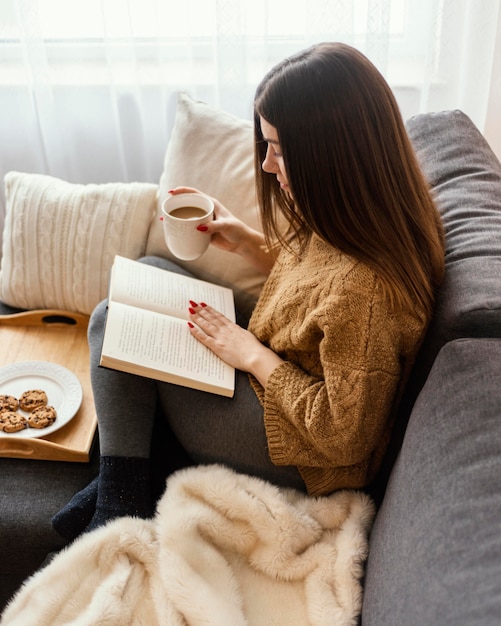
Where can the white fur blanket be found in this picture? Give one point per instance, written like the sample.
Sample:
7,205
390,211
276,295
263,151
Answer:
224,549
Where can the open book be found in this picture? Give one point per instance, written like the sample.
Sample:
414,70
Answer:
147,333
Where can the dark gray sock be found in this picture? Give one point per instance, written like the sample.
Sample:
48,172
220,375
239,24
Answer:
76,515
123,490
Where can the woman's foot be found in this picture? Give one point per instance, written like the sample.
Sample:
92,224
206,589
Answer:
123,490
76,515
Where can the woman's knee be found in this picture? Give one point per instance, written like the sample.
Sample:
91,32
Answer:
164,264
98,318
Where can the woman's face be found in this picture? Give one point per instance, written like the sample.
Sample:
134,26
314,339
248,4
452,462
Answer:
274,161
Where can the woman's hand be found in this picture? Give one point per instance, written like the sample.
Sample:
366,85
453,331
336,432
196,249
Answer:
231,234
232,343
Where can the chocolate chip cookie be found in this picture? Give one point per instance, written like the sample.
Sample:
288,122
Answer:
32,399
8,403
42,417
12,422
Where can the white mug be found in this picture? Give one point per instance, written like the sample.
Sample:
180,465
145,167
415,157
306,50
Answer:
181,215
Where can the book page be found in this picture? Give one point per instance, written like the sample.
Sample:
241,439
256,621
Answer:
155,289
155,341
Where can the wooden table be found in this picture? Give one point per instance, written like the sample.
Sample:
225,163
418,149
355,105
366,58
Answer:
59,337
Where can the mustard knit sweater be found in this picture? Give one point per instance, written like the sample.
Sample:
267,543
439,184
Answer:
329,408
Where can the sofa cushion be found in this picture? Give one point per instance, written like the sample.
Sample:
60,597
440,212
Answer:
435,548
60,239
212,151
465,177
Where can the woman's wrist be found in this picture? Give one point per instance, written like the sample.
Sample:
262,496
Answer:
262,364
254,249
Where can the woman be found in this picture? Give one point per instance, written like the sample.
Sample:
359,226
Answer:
336,329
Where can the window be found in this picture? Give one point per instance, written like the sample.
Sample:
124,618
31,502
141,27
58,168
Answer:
76,40
87,86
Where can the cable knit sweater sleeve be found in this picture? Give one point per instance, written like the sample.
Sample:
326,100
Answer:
328,408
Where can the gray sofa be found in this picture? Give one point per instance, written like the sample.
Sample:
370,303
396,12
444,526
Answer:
435,548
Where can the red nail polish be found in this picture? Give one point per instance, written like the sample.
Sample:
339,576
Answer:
202,228
191,325
193,304
192,311
203,304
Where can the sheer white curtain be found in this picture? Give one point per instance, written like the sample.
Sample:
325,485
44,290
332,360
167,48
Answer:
87,87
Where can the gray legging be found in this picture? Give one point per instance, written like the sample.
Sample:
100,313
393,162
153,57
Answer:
211,428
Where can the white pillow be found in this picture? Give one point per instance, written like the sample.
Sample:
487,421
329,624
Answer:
60,239
212,151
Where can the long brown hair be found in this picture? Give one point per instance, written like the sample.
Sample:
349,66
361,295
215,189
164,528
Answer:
352,171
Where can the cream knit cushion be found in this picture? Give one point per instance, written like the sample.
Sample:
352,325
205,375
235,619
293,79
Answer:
60,239
212,151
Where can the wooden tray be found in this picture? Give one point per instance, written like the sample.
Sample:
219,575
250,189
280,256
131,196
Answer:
60,337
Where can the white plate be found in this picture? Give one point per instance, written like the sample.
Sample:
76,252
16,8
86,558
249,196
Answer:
63,389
